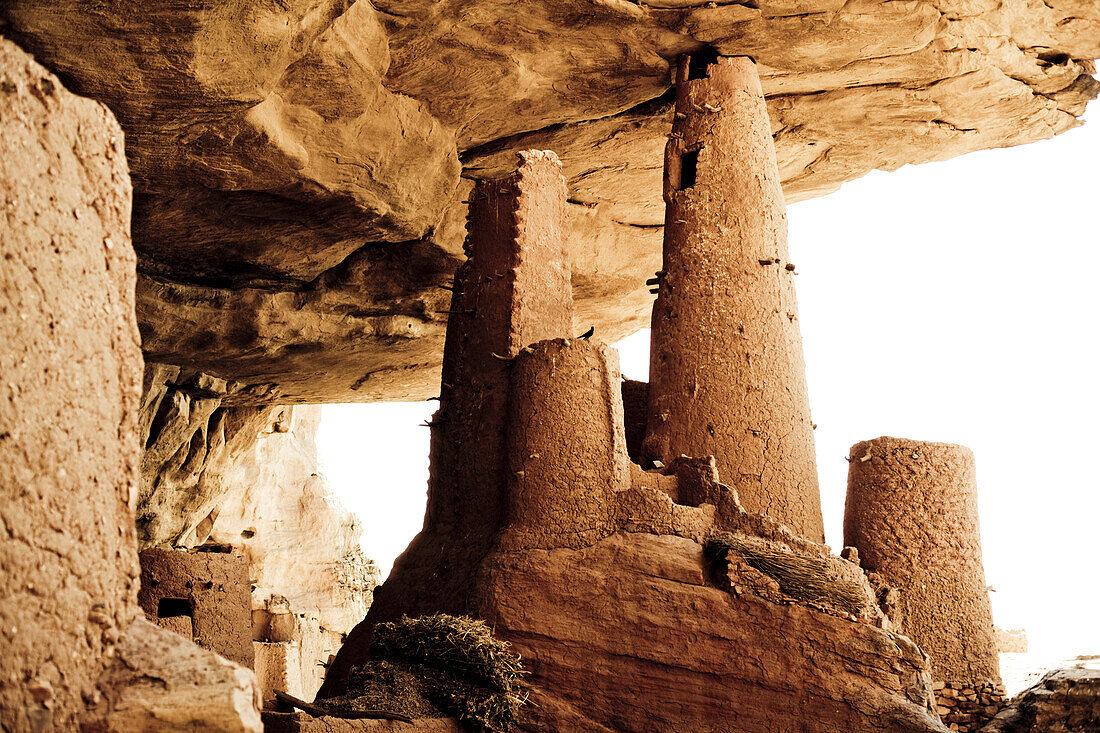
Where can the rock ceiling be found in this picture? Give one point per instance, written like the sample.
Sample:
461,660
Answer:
300,166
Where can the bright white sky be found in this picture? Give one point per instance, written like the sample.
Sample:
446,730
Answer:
952,301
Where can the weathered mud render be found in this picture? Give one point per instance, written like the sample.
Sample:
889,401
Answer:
77,654
727,376
912,513
68,436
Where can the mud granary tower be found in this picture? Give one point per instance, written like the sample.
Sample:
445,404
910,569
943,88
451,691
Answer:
912,513
727,377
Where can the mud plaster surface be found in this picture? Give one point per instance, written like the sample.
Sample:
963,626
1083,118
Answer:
912,512
70,381
216,586
727,375
566,445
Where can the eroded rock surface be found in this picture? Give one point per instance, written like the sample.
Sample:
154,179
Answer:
191,438
298,164
249,477
161,682
634,607
301,543
1065,701
642,632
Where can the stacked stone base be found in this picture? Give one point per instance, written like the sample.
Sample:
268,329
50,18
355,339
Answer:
967,707
295,665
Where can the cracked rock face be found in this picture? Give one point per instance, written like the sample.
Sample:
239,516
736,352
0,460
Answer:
1065,699
300,167
160,681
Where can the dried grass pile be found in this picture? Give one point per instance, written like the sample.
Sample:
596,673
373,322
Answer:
808,578
440,666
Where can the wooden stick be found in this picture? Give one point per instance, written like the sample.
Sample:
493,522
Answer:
338,712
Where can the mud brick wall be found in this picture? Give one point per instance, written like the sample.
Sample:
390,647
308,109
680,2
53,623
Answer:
211,590
513,291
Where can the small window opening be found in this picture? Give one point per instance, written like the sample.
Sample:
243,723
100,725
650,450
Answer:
689,165
700,62
174,608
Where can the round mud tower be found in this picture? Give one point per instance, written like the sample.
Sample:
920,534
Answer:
726,367
566,444
71,365
912,512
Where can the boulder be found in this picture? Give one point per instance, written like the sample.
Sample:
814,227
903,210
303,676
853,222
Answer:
1065,700
161,682
641,610
649,628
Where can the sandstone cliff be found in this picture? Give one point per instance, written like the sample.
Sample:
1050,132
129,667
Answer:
1065,700
249,477
300,542
301,167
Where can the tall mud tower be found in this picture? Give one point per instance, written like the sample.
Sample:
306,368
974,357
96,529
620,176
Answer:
513,291
727,376
71,362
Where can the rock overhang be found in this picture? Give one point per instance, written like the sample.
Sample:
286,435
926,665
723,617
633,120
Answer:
301,168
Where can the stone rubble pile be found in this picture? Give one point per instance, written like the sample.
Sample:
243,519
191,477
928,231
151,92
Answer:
968,708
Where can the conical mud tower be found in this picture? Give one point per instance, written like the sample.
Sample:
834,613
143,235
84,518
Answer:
727,376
